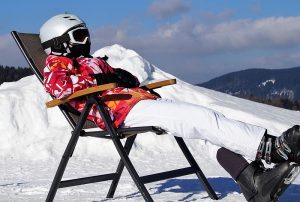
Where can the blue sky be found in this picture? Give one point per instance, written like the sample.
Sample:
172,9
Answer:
195,40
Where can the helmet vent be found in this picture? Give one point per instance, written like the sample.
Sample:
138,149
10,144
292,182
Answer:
66,16
72,19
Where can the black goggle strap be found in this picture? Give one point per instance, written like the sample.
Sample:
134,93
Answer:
56,41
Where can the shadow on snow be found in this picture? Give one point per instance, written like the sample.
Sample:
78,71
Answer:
222,186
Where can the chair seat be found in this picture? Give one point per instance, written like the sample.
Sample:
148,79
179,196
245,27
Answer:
125,132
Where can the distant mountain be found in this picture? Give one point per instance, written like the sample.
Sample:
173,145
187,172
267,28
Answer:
266,83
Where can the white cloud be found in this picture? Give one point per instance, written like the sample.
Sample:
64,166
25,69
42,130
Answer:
275,61
9,52
4,41
267,33
214,17
168,8
225,46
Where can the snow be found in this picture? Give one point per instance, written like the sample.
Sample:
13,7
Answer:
284,93
33,139
267,81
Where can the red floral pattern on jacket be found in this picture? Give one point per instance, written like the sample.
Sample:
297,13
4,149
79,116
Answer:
61,79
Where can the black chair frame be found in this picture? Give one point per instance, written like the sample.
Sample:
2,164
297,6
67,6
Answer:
115,134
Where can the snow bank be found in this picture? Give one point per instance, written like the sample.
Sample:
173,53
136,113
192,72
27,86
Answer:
29,130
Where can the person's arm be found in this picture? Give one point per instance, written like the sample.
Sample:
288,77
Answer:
126,79
116,75
60,81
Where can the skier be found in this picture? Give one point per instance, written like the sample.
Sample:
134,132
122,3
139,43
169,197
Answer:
70,67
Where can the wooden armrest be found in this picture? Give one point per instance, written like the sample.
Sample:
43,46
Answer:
104,87
80,93
159,84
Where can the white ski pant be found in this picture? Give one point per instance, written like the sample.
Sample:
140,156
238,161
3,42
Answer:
197,122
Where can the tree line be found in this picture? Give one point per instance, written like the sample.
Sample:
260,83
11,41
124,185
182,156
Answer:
277,102
9,73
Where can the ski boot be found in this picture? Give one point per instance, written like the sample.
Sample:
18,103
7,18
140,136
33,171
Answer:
266,185
287,145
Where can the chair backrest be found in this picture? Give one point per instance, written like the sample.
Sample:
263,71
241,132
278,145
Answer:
31,47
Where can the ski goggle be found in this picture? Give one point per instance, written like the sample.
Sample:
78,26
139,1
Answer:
79,35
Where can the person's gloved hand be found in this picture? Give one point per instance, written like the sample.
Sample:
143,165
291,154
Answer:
125,79
103,78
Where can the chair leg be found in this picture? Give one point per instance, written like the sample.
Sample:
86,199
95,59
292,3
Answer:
134,175
114,184
194,165
124,157
67,154
61,168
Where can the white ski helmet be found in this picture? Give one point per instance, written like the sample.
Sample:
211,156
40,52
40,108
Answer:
57,33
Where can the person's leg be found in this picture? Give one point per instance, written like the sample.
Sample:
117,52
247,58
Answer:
193,121
233,163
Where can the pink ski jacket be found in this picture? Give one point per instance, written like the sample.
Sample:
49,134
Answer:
62,78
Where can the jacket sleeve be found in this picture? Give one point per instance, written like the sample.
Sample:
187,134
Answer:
126,79
122,77
60,80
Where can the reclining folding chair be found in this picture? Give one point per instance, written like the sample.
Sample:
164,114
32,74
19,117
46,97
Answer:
31,48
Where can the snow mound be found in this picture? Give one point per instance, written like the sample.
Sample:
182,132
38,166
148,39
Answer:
29,130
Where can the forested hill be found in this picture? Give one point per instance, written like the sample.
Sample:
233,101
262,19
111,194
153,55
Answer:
278,87
8,73
268,83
